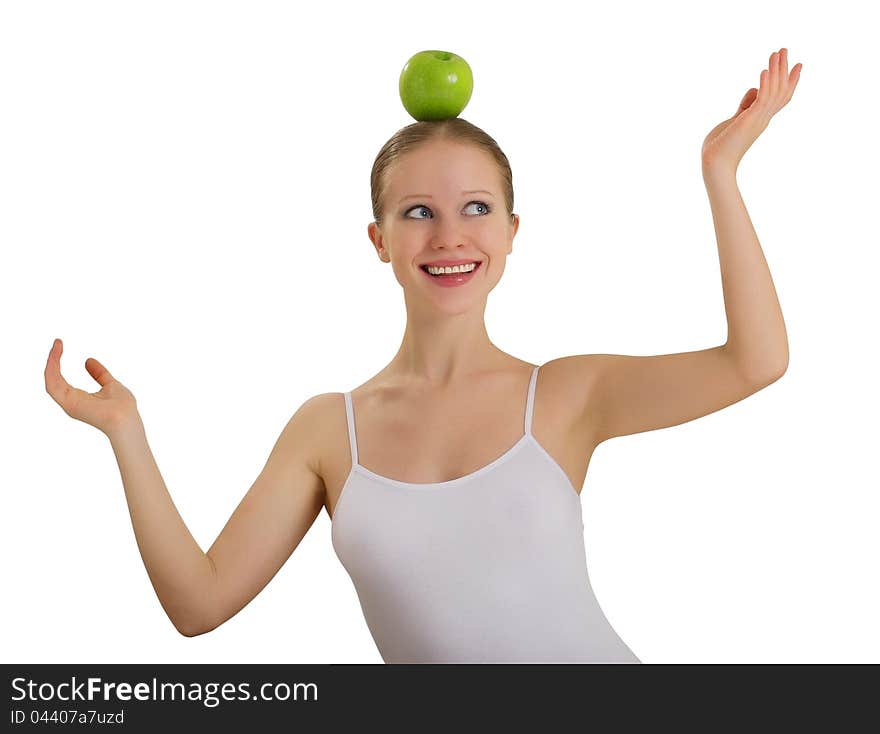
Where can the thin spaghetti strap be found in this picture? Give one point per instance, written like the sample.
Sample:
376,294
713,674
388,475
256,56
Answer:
352,439
530,401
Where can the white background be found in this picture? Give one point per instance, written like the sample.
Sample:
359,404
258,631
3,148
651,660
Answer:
184,195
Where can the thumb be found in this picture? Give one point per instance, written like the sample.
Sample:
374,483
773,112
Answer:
747,100
98,371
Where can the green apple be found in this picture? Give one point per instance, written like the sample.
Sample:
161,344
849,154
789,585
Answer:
435,85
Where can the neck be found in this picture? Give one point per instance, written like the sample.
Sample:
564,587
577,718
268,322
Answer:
443,350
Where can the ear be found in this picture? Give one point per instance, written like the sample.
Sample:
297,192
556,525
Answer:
515,225
375,235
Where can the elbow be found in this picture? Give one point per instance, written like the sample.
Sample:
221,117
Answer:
763,373
189,631
194,615
772,376
781,364
759,369
194,631
190,628
779,371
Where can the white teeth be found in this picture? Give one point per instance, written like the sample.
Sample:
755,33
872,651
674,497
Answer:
453,269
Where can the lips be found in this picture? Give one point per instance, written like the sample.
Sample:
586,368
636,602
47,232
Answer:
452,280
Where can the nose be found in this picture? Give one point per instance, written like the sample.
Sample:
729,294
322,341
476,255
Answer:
447,235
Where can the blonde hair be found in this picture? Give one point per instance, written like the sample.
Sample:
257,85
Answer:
412,136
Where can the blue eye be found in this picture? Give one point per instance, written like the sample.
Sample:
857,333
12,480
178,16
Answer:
485,206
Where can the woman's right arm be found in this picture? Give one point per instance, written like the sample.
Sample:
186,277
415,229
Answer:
199,591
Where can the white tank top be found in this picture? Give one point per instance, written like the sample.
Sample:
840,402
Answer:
486,568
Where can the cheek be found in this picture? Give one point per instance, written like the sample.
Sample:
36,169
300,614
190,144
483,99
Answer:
405,270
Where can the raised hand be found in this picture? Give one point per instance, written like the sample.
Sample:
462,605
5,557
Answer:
728,142
109,408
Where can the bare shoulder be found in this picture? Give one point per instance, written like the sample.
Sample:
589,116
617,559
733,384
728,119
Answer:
571,380
311,426
566,387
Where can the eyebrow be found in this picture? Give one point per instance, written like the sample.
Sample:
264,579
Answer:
428,196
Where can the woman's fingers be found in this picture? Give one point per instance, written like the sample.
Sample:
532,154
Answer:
111,406
52,373
98,371
777,82
792,82
62,393
780,65
747,101
763,88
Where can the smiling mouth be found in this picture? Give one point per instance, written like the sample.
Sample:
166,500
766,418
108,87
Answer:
469,272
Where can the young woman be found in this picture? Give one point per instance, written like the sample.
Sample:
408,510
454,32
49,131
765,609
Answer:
452,476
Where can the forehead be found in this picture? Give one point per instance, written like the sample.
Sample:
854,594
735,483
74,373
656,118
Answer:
443,164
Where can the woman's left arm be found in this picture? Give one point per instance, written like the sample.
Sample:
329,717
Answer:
756,336
756,330
622,394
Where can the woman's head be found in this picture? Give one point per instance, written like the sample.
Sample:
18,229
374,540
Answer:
443,190
411,137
